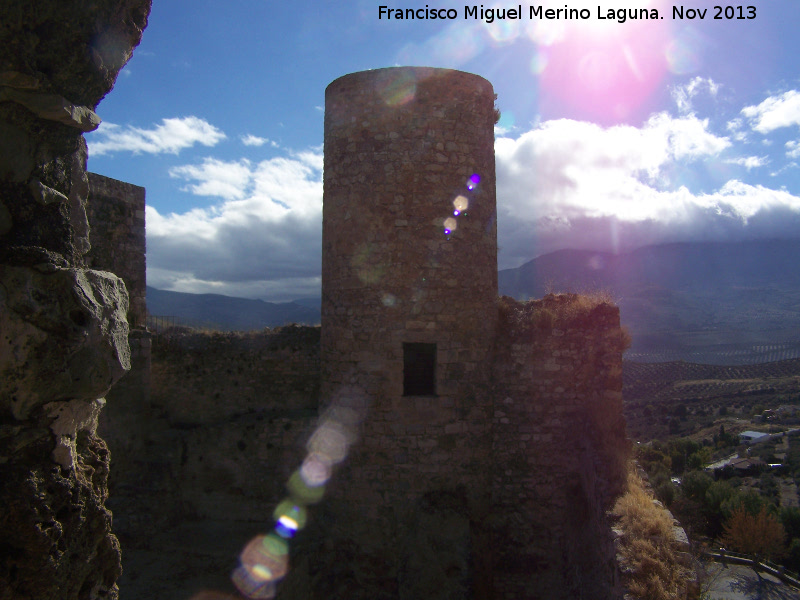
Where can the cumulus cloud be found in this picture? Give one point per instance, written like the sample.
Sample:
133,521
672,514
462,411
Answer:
573,184
228,180
775,112
263,239
171,136
563,184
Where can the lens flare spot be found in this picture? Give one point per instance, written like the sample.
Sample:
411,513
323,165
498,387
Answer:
303,493
264,561
251,586
315,472
397,88
503,31
473,181
682,56
537,65
329,442
450,224
291,515
461,203
388,300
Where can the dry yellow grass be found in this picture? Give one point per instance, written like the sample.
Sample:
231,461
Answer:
655,570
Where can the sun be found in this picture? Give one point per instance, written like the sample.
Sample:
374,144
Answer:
604,66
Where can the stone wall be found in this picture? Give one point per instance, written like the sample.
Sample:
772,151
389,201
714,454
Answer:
230,415
115,210
63,340
560,448
226,421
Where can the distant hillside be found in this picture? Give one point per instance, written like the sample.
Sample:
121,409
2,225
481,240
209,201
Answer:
719,303
227,313
697,266
713,303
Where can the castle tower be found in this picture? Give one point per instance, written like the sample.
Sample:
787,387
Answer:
409,273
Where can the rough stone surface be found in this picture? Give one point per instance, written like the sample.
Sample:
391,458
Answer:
56,542
116,214
63,333
560,448
64,336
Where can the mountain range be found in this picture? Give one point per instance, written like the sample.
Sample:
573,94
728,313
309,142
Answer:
716,303
216,311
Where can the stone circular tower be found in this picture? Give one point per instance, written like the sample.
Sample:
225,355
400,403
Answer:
409,267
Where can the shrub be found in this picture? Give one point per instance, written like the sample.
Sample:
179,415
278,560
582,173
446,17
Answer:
759,535
655,570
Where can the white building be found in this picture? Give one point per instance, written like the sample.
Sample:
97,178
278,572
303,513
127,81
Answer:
753,437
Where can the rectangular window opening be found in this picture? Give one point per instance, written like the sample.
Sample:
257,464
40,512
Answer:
419,369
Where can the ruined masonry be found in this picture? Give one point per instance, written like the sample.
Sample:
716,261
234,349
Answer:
493,441
490,443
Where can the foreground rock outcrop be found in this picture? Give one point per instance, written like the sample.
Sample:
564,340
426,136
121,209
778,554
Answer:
63,328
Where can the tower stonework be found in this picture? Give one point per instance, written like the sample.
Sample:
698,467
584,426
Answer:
409,272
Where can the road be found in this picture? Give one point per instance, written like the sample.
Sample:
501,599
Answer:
736,582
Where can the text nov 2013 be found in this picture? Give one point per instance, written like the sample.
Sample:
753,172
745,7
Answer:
538,12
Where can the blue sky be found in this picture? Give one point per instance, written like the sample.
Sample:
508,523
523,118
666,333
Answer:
613,134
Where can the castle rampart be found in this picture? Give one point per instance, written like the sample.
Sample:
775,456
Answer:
491,441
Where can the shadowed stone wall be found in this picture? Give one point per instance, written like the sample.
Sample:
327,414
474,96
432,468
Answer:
63,328
230,416
116,214
401,146
560,448
116,219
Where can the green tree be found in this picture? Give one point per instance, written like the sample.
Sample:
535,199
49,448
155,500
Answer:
697,460
792,559
790,519
665,492
695,484
749,500
717,494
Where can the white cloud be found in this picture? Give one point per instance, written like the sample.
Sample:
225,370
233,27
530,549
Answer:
684,94
775,112
228,180
793,149
254,140
263,240
580,166
572,184
749,162
172,136
563,184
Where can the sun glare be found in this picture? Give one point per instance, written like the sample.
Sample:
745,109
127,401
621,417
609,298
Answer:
606,63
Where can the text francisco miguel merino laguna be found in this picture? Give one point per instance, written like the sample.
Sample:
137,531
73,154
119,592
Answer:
539,12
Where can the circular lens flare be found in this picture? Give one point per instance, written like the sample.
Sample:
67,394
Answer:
461,203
